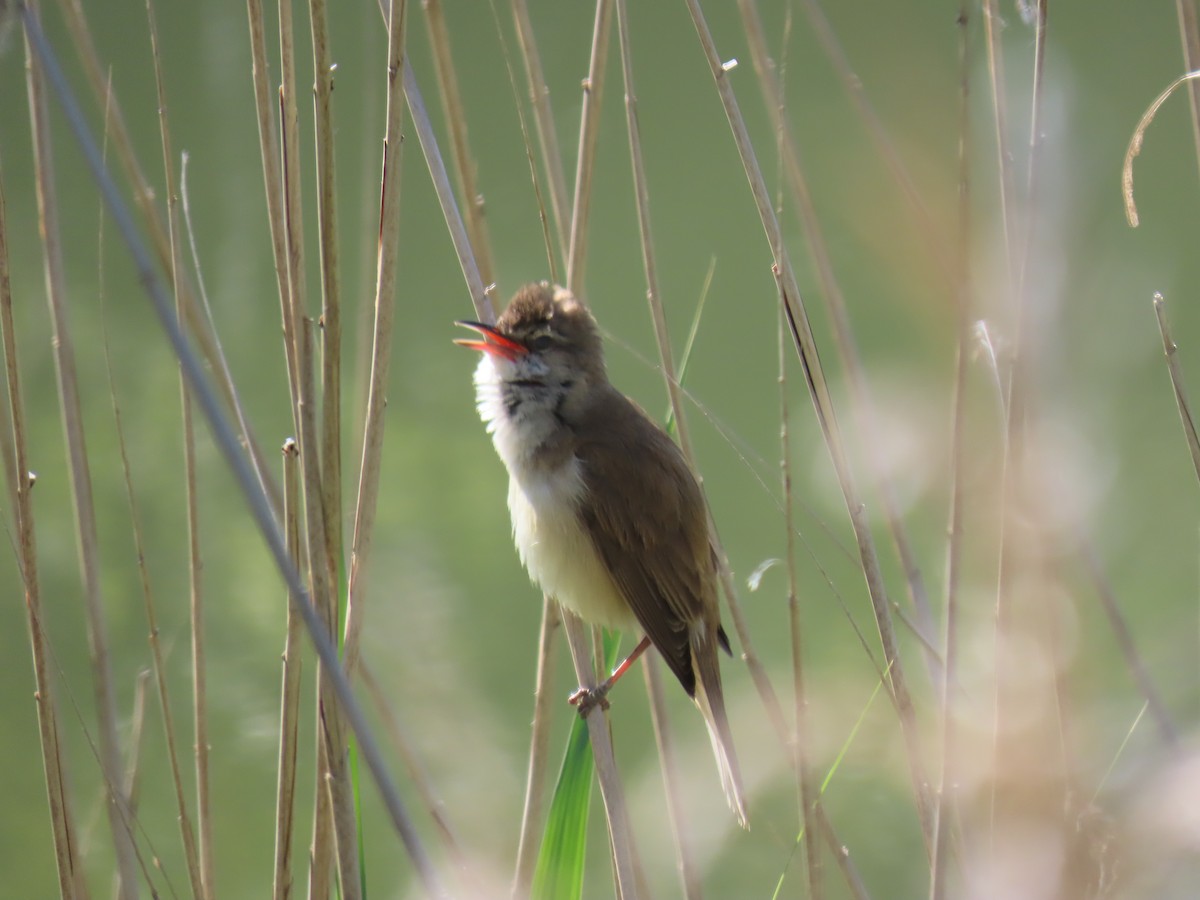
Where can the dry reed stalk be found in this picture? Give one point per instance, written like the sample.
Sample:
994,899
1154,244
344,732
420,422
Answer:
381,345
71,880
460,150
543,120
803,766
823,404
683,846
685,861
621,839
862,401
1189,34
289,712
533,810
145,199
197,850
992,25
81,489
227,440
589,132
947,792
331,298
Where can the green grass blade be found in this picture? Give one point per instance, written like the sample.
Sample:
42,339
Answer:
559,871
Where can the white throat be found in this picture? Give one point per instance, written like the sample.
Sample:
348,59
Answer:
543,499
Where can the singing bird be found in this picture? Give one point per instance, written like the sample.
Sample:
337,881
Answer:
607,516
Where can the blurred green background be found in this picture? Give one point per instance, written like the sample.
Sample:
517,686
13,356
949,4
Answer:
452,619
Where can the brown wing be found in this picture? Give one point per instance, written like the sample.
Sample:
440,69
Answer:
649,528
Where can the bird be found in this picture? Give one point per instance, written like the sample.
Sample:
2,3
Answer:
608,517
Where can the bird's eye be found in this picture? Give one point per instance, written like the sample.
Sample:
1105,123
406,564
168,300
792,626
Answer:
541,342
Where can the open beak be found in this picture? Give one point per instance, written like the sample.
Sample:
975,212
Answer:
493,342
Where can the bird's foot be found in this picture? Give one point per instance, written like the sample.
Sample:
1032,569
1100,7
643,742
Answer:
586,699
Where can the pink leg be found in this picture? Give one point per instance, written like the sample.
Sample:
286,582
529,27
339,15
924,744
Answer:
586,699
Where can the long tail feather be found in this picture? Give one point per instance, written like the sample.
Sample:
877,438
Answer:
711,700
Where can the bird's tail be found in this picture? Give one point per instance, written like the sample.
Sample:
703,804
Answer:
711,701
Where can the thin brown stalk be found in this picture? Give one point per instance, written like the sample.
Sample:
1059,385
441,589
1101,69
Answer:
948,783
198,854
996,78
1170,350
85,515
862,401
268,148
320,851
589,132
673,786
331,300
1189,33
460,149
71,880
613,795
381,347
289,712
823,404
543,119
534,811
146,201
804,774
683,848
841,854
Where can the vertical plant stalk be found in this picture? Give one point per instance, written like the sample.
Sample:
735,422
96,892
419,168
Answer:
460,149
1189,33
804,776
146,201
331,298
198,853
589,133
71,880
81,488
947,792
862,402
533,813
996,77
289,713
1014,543
683,846
381,347
823,404
673,785
226,438
613,795
543,119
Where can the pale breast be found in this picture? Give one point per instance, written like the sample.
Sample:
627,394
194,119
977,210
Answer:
557,552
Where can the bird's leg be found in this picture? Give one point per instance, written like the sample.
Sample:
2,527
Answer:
587,698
